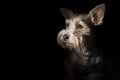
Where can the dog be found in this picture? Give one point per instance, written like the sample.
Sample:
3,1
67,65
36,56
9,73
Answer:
84,61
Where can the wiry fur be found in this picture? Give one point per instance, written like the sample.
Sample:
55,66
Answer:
76,39
77,36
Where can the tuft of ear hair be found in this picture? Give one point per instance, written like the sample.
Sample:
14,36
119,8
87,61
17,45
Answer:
66,13
96,15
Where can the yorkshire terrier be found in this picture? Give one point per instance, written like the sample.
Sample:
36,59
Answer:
84,61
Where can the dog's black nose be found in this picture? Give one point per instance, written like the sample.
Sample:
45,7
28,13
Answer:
66,37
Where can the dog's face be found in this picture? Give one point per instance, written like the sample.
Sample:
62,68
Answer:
79,25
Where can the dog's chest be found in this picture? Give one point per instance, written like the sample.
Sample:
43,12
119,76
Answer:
84,61
80,59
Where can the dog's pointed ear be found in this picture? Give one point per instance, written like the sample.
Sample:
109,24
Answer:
96,15
66,13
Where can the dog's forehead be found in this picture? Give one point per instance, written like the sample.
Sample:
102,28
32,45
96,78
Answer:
76,19
79,19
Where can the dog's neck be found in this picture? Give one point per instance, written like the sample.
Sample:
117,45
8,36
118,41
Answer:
87,47
87,56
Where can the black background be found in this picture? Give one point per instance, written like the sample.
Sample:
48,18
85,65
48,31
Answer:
37,54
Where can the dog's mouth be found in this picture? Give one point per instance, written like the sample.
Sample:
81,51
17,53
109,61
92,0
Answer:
65,44
72,42
69,45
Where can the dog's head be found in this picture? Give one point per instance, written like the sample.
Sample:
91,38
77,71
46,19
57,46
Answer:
78,26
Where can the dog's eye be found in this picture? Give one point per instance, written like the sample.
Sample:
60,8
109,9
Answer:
79,26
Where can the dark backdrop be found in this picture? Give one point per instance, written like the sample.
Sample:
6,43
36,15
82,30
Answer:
39,23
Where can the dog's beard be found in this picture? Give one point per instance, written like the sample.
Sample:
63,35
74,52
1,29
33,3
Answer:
73,42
